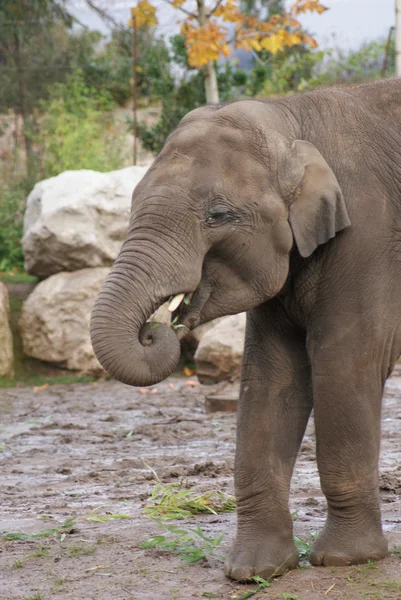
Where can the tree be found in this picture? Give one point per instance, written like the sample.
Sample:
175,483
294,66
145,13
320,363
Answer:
24,25
398,37
207,38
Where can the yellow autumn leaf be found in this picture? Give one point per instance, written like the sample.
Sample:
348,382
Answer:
39,388
303,6
255,45
205,44
273,43
144,15
177,3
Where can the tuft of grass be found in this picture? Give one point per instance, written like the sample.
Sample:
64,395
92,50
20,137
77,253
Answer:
173,501
66,527
108,516
17,564
303,547
10,277
39,553
77,551
262,584
289,596
36,596
190,545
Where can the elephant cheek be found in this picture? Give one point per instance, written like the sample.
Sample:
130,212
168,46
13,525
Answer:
283,239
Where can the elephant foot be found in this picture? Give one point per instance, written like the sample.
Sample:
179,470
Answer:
268,558
351,548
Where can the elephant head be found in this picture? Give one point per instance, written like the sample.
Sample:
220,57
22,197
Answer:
214,218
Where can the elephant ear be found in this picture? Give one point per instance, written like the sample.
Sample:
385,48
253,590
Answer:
318,210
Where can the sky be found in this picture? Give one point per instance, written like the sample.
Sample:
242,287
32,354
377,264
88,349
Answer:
351,21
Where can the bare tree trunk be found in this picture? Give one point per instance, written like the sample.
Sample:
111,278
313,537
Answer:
211,88
398,38
24,108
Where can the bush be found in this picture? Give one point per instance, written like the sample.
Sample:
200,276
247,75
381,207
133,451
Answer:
353,66
12,206
76,130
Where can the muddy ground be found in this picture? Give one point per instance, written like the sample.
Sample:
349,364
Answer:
67,450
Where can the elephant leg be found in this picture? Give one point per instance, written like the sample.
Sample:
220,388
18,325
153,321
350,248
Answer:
274,408
347,391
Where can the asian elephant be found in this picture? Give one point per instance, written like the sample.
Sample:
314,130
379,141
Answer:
290,210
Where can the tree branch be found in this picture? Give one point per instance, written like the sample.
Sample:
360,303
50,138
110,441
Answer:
189,14
216,6
103,14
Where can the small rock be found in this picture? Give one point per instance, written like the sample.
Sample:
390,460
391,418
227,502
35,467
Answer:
6,339
219,354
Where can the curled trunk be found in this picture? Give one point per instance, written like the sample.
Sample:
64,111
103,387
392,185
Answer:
130,349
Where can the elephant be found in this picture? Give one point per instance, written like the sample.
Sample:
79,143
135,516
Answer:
290,210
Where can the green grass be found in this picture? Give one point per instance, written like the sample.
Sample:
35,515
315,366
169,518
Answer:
61,531
39,553
191,545
17,564
173,501
18,278
77,551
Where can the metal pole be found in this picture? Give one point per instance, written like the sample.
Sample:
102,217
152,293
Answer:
398,38
134,86
385,61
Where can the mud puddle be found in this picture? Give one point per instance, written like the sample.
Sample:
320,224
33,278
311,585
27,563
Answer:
72,453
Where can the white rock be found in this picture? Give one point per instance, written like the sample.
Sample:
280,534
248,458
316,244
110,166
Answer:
219,354
54,320
6,339
77,219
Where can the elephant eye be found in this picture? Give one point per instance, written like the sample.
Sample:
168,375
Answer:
218,215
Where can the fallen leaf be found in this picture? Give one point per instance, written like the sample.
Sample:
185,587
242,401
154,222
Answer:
188,372
171,386
38,388
154,391
144,391
192,383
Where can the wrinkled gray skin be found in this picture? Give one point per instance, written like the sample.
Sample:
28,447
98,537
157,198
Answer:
290,210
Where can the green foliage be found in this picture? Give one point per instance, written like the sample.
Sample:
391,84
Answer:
262,584
188,94
354,66
60,532
76,130
190,545
303,547
108,66
12,207
172,501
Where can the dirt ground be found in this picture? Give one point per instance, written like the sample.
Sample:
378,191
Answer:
67,450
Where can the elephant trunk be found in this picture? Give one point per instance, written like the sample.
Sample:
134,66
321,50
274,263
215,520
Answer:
129,348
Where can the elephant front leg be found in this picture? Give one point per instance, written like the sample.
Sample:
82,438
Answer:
275,404
347,406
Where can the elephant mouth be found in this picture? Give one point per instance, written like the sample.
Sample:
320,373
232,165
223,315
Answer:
182,312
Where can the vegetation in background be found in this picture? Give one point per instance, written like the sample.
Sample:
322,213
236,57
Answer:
208,39
67,112
76,130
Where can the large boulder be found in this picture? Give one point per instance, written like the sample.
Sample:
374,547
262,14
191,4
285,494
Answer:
77,219
6,339
219,354
54,320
